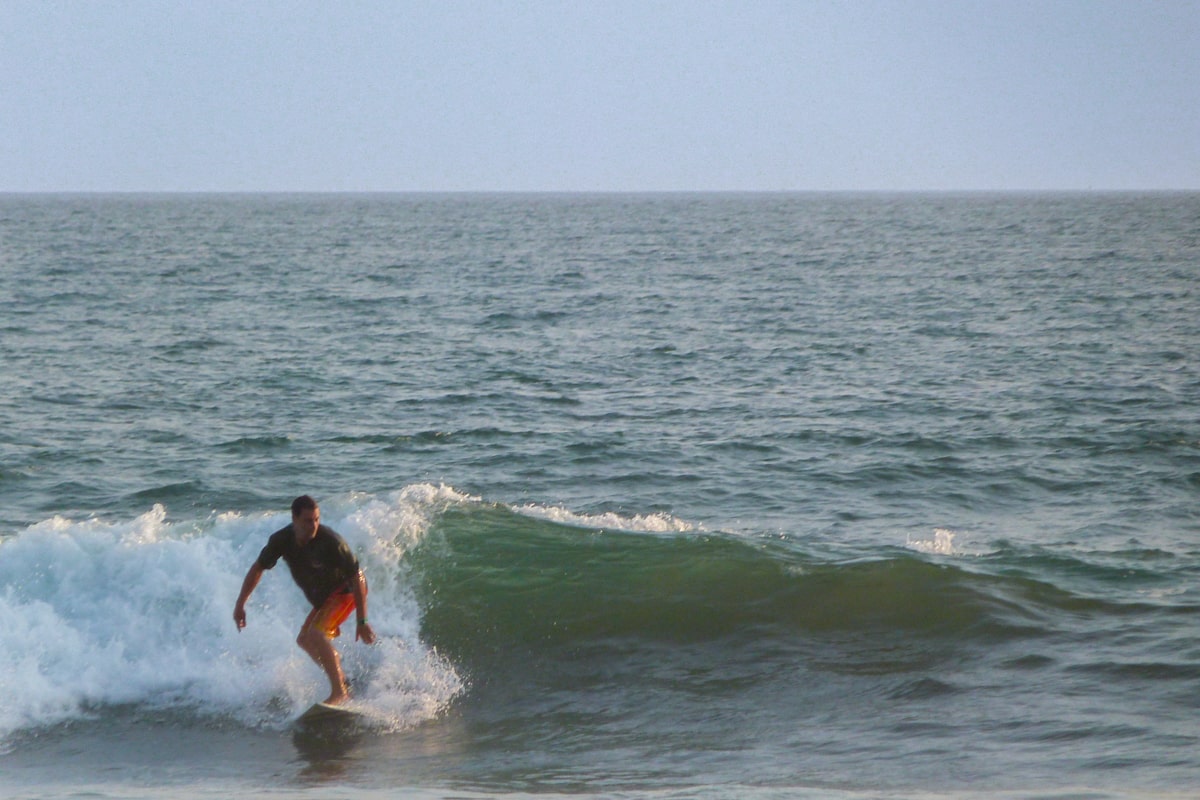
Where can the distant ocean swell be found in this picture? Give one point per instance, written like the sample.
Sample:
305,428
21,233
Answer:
490,578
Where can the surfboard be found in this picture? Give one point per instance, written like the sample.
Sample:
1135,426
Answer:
323,712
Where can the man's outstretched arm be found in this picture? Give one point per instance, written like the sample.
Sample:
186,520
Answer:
252,578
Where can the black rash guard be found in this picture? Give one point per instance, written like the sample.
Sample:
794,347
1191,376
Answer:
323,566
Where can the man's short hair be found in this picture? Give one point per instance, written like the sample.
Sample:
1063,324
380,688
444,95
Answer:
303,503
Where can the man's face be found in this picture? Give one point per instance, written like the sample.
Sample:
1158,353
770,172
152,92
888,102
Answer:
305,523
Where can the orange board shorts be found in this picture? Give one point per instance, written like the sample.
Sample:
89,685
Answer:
336,610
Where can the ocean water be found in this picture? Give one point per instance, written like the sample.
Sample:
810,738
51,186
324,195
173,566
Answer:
659,496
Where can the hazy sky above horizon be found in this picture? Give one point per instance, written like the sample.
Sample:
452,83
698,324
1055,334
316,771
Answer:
241,95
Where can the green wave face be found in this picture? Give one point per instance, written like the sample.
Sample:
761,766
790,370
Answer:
490,580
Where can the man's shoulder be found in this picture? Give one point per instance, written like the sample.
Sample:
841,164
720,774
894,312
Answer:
281,540
279,544
282,533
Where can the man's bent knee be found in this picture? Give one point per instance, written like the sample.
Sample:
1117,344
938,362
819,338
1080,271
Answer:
309,636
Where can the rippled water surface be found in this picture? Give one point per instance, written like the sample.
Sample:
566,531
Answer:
679,495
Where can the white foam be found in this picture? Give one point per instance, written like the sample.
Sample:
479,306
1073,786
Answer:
942,543
96,613
649,523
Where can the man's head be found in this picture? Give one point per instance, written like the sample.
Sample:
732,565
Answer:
305,516
301,504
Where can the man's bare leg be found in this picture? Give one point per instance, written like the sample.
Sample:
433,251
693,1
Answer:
320,649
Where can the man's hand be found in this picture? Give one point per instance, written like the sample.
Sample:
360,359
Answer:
239,617
363,633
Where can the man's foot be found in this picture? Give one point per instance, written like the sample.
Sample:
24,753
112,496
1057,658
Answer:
337,698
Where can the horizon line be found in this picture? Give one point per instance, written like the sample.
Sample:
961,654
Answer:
582,192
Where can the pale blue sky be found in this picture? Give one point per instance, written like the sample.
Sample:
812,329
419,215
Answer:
217,95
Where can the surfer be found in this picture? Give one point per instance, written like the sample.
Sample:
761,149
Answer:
326,570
